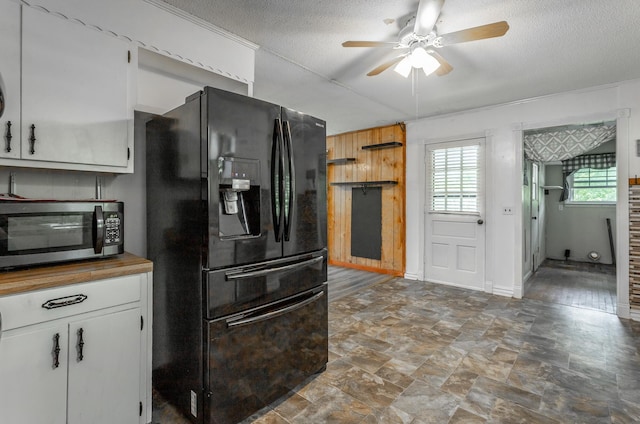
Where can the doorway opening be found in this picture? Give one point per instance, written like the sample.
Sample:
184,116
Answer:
569,215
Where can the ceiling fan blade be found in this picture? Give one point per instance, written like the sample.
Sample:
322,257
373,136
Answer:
496,29
369,44
385,66
445,67
427,15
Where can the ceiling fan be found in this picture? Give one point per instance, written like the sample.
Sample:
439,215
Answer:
421,39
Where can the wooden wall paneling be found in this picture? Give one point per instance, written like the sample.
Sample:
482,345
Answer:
399,200
370,165
388,198
349,175
331,220
340,213
363,138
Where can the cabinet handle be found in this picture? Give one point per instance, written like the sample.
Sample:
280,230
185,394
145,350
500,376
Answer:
64,301
56,350
80,345
32,139
8,137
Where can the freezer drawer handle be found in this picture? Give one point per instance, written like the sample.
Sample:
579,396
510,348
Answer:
270,315
263,272
64,301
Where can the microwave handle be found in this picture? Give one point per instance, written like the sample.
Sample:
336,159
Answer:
98,224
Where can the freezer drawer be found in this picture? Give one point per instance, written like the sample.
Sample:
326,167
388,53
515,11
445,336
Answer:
257,356
231,290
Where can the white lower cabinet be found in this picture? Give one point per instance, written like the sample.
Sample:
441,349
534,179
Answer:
85,365
104,374
32,388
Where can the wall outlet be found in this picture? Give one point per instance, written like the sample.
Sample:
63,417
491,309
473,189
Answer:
507,210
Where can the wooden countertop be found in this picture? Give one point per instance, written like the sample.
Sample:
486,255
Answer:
40,277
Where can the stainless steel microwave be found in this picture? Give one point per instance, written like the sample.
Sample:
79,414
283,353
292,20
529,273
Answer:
36,232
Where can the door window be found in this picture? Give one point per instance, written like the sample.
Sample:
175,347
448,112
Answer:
454,180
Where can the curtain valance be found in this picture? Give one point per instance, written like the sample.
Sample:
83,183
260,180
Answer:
599,161
565,142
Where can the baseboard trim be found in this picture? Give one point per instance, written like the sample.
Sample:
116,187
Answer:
366,268
504,292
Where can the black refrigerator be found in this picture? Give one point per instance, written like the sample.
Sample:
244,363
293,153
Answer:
236,228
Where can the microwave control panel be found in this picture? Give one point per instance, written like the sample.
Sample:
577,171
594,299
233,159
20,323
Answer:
112,228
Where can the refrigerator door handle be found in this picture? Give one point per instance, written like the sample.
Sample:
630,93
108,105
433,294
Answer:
277,167
290,177
273,314
267,271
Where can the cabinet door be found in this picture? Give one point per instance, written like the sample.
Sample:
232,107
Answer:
32,388
104,376
74,92
10,79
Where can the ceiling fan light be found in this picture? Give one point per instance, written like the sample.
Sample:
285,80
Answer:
430,65
418,57
404,67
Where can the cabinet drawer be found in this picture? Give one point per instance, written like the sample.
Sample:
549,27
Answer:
45,305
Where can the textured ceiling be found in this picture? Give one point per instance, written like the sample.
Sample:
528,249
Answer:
551,46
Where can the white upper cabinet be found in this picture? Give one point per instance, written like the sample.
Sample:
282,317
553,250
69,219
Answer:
10,79
75,103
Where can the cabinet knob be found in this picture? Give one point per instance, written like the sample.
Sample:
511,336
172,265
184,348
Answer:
32,140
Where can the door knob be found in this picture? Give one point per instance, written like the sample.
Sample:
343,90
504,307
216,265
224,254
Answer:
534,217
480,222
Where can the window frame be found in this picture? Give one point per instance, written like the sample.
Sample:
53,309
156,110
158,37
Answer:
570,181
477,166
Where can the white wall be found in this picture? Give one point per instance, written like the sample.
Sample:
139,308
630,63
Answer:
503,126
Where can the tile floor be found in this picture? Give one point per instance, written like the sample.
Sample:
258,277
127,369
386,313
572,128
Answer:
413,352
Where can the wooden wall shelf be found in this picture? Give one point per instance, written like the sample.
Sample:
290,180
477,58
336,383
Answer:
364,183
382,145
340,161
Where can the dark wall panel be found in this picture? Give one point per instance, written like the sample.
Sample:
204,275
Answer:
366,222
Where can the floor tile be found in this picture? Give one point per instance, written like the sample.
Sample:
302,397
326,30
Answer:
412,352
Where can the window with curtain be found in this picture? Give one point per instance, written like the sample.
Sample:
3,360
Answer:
454,179
590,179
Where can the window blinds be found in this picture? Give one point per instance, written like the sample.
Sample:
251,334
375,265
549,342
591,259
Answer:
454,179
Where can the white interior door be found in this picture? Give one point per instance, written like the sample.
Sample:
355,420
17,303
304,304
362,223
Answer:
454,223
535,216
